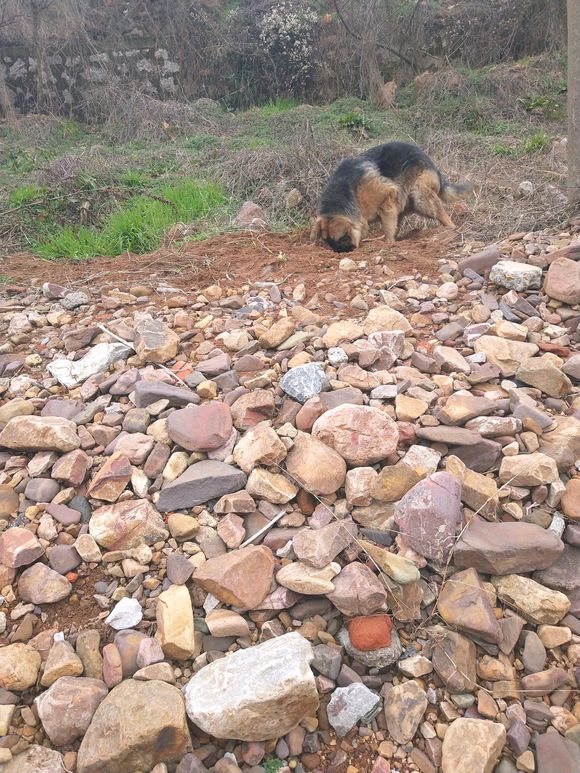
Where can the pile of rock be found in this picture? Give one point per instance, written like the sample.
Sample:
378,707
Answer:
254,538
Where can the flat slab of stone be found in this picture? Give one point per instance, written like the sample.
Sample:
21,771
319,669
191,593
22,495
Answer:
507,548
199,483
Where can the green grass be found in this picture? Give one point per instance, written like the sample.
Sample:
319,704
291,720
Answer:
278,106
272,765
138,225
537,143
25,194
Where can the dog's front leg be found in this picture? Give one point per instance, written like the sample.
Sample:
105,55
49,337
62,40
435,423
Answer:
390,220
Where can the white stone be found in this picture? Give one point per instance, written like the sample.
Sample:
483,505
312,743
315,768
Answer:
98,360
255,694
350,704
516,276
126,614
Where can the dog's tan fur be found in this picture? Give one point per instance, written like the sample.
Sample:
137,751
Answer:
415,190
379,198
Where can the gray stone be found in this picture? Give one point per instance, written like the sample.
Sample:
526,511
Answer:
348,705
199,483
74,299
305,381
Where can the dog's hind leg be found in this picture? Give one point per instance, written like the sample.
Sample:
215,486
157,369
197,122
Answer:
426,201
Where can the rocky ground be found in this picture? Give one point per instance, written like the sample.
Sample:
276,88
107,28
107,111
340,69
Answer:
322,524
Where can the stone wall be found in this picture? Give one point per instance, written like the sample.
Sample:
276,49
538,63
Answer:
69,77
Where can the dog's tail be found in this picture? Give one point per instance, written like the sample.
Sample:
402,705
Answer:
450,192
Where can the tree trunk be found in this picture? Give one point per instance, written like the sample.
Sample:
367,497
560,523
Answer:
574,101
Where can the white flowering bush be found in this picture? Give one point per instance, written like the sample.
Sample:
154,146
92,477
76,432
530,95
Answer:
288,35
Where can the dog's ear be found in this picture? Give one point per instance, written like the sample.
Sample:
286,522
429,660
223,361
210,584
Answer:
355,234
319,230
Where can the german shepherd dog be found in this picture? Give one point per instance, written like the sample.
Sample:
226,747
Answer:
385,183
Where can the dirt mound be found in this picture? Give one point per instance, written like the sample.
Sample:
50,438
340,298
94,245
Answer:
242,257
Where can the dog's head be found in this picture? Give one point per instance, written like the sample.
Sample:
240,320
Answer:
340,232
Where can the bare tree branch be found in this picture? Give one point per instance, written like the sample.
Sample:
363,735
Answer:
356,36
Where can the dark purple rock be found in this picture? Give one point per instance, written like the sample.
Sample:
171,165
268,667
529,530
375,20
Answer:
518,737
64,558
454,436
428,515
63,514
63,409
556,754
564,575
41,489
481,261
179,569
80,338
572,535
507,548
534,653
480,457
156,460
125,383
148,392
199,483
221,363
191,764
424,363
347,676
327,661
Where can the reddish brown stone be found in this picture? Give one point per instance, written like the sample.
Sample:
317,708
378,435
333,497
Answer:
200,427
19,547
111,480
370,633
72,467
253,407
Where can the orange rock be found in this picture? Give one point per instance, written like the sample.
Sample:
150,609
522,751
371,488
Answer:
370,633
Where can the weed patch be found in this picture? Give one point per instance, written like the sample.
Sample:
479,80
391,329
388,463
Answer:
537,143
137,226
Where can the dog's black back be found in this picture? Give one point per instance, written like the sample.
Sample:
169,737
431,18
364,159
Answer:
392,160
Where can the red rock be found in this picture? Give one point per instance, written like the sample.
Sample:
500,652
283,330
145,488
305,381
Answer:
19,547
563,281
111,480
72,467
362,435
371,632
429,514
253,407
200,427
